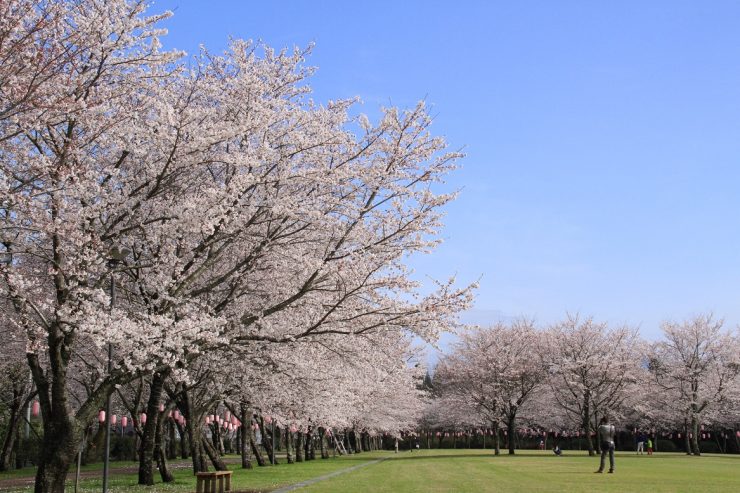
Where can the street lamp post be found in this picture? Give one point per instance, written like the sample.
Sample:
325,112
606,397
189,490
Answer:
115,257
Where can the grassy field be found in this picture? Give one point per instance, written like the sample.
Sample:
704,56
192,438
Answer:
464,471
530,471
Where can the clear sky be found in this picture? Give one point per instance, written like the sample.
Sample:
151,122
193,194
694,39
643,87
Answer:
602,138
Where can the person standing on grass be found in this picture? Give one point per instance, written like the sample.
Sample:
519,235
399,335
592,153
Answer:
640,443
650,446
606,436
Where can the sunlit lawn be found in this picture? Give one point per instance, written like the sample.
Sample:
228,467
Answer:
476,471
469,471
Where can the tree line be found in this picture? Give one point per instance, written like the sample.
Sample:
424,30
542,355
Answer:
514,379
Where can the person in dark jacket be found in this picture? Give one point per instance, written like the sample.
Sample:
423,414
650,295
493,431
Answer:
606,435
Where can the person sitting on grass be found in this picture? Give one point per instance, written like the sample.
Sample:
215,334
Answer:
557,450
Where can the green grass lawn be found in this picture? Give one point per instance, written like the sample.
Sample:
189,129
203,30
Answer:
257,479
531,471
466,471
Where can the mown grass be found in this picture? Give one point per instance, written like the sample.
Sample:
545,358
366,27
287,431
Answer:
530,471
432,471
258,479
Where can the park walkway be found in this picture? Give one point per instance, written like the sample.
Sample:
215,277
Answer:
286,489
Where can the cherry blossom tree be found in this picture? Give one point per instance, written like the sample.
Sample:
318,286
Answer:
497,368
590,369
224,206
696,368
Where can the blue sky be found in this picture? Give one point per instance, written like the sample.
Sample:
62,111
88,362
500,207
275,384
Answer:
602,138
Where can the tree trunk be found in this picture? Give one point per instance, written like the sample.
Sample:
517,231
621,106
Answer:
299,447
159,450
212,452
16,412
687,442
194,433
596,427
289,446
197,452
255,448
358,441
586,425
695,433
149,430
497,438
324,450
171,440
184,440
62,430
267,442
244,436
310,453
511,428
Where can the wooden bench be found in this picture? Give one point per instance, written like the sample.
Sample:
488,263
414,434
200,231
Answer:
207,482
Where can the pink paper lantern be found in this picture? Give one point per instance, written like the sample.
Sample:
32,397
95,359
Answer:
177,415
709,435
268,419
161,408
170,414
124,421
101,416
143,418
113,420
678,435
703,436
213,418
35,408
255,426
234,421
207,421
227,416
737,433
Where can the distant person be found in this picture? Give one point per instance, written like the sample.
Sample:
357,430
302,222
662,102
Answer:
650,446
542,445
606,435
417,444
640,443
557,450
